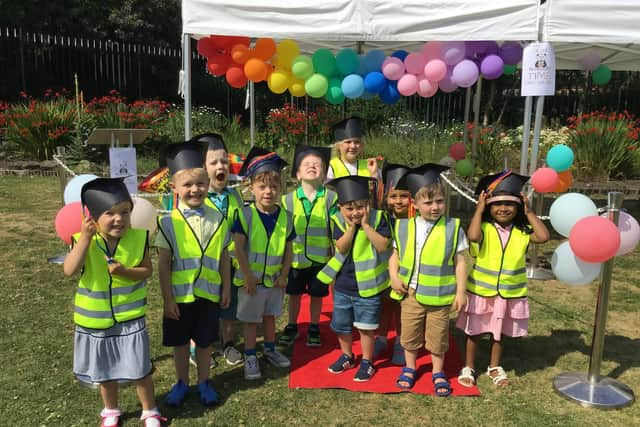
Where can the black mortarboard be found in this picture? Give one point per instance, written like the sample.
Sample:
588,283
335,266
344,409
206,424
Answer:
506,185
420,176
347,129
303,151
391,175
186,155
212,141
351,188
260,160
101,194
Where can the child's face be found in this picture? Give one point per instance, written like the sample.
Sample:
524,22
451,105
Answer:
398,201
354,211
311,169
350,149
191,188
115,221
217,163
266,193
503,212
431,209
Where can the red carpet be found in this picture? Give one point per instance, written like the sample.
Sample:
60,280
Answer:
309,365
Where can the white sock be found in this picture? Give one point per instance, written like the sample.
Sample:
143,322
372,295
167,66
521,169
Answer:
110,416
151,422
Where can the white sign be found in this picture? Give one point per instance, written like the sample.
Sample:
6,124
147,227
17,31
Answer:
538,70
122,163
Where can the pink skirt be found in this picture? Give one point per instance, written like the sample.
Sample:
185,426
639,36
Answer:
495,315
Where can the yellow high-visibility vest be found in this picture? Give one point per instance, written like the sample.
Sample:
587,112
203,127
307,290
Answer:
339,169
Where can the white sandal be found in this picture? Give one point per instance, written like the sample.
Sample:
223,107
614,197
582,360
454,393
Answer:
500,379
467,377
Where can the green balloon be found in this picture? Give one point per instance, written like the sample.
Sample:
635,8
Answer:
334,93
324,62
316,85
510,69
347,61
601,75
302,67
464,167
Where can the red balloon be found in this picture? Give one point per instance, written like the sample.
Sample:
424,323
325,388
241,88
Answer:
457,151
594,239
207,46
235,76
218,64
68,221
544,180
240,53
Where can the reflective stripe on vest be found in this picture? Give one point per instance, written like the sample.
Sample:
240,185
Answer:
265,254
195,272
371,268
312,242
340,169
235,204
436,268
499,271
101,299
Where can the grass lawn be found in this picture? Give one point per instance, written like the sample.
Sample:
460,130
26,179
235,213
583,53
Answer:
36,335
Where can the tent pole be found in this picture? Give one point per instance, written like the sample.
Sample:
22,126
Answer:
526,129
252,113
476,118
467,108
537,125
186,84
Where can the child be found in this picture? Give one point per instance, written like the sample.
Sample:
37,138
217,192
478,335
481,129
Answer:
311,205
111,343
228,201
193,266
500,231
359,267
262,234
397,201
348,135
428,269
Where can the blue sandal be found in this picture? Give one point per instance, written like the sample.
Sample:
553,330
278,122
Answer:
441,385
407,379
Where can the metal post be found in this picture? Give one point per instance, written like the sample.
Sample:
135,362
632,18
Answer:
593,389
537,127
476,118
62,174
526,129
186,84
534,271
252,113
467,108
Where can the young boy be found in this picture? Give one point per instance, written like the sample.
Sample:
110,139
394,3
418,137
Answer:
262,234
311,205
193,269
228,201
428,271
359,268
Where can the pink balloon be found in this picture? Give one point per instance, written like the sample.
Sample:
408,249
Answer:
408,84
457,151
590,61
414,63
426,88
629,233
393,68
544,180
594,239
452,52
435,70
68,221
465,73
447,85
432,50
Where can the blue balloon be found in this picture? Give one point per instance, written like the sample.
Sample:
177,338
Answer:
568,209
74,187
375,82
353,86
400,54
390,94
373,60
560,158
362,70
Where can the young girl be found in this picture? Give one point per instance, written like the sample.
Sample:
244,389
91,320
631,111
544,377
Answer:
500,231
111,343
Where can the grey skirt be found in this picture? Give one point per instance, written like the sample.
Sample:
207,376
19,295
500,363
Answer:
120,353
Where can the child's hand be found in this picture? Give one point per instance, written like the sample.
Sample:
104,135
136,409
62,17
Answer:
526,204
115,267
250,284
88,227
372,166
459,302
281,282
365,218
171,310
225,298
482,201
398,285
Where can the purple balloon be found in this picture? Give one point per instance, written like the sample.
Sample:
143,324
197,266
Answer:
511,53
452,52
447,85
492,67
590,61
465,73
476,48
492,48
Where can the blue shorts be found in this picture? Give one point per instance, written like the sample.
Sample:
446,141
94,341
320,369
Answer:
348,311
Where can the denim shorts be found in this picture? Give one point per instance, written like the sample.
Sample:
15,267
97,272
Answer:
348,311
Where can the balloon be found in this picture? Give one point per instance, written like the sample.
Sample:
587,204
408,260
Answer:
568,209
68,221
447,85
629,233
400,54
414,63
297,88
544,180
492,67
235,76
316,85
334,93
373,60
302,67
255,69
510,70
347,61
565,179
265,48
435,70
218,64
601,75
74,187
362,69
324,62
464,167
452,52
206,47
393,68
560,157
570,269
143,215
279,81
457,151
374,82
511,53
240,53
408,84
432,50
426,88
287,50
465,73
594,239
476,48
590,61
353,86
390,94
447,161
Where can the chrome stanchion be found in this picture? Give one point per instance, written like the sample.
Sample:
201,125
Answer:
592,389
534,271
62,175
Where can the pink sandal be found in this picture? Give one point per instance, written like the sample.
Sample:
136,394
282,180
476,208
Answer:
154,420
110,417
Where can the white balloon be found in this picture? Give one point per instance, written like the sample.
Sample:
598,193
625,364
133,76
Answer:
568,209
568,268
74,187
629,233
144,215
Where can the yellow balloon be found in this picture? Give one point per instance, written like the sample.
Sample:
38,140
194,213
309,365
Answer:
279,81
297,87
286,51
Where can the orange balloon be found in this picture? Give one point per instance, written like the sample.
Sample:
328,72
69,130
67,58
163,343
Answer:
240,53
235,77
255,69
265,48
565,179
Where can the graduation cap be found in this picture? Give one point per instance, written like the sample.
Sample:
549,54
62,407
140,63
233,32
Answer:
506,185
303,151
260,160
101,194
186,155
347,129
391,175
351,188
213,141
418,177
